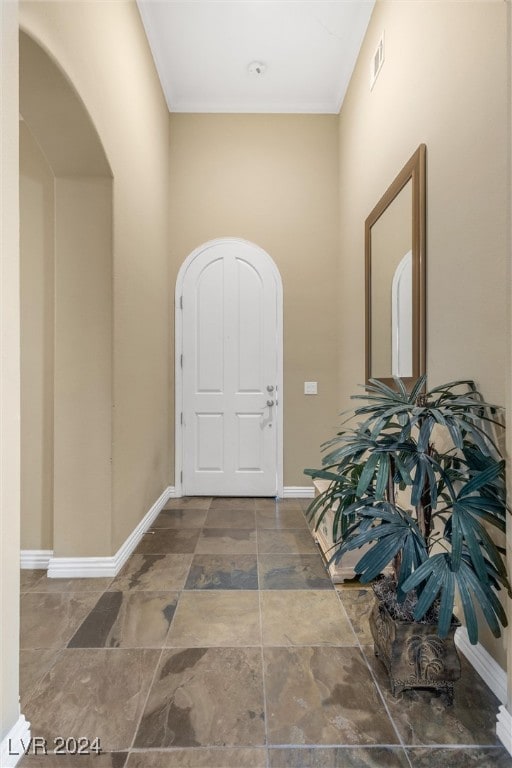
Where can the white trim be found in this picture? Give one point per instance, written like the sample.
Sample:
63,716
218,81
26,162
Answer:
298,492
91,567
288,492
238,107
483,662
504,728
12,743
82,567
178,350
35,558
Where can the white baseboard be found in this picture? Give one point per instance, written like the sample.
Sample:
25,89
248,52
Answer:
298,492
485,665
289,492
35,558
13,746
95,567
504,728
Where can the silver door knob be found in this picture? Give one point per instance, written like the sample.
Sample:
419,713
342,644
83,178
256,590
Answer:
270,403
270,388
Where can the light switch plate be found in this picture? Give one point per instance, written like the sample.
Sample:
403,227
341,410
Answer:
310,387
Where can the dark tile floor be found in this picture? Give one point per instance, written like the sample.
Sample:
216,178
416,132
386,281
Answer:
223,644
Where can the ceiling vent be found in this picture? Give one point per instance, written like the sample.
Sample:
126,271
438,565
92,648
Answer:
377,61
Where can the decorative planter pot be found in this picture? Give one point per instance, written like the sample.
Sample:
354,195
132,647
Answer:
414,654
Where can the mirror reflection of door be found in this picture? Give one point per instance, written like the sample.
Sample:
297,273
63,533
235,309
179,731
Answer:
401,318
391,240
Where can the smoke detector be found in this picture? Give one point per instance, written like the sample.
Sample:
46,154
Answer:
256,68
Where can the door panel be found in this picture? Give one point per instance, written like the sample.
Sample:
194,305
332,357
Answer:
249,451
230,357
210,328
209,442
250,309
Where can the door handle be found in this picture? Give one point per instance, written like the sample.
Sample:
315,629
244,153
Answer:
270,403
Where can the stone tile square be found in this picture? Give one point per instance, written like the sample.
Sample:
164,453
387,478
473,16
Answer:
71,585
336,757
127,620
323,696
424,717
223,572
226,541
29,577
358,603
462,757
205,697
103,760
48,620
287,542
95,692
180,518
34,664
230,518
278,517
293,572
275,504
189,502
465,757
233,502
304,617
153,572
231,757
168,541
216,618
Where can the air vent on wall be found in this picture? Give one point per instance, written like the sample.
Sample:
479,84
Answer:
377,61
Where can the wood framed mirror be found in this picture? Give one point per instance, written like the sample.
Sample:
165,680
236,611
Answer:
395,277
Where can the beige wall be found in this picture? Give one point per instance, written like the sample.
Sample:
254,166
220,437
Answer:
9,371
37,275
444,83
273,180
102,49
66,296
83,367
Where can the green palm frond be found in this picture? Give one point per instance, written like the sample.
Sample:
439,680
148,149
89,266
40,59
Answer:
439,578
457,489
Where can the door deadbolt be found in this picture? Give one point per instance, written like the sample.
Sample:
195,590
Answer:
270,388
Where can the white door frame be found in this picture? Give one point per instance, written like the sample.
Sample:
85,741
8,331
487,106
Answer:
178,351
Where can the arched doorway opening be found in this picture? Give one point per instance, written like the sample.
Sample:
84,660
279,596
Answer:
66,316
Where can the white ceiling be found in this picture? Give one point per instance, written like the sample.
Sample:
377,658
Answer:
202,49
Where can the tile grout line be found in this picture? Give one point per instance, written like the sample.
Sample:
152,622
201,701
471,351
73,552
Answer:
262,657
153,677
374,679
143,708
383,699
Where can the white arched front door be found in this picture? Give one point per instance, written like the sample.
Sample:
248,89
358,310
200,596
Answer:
229,371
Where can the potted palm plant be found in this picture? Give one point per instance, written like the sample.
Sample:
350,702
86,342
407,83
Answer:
417,479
